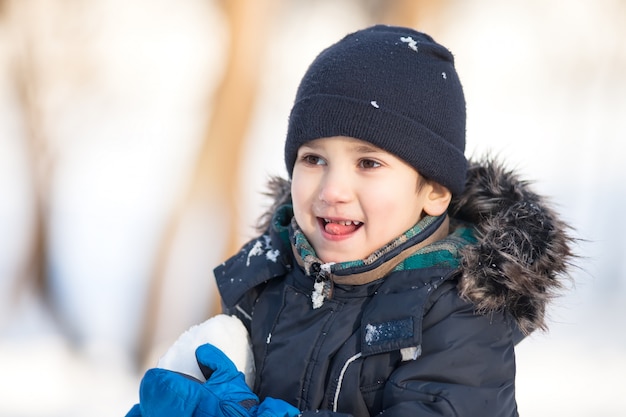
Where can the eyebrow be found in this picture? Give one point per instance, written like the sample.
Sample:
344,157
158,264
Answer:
366,149
359,147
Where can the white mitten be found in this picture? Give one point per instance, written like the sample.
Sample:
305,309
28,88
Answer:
224,332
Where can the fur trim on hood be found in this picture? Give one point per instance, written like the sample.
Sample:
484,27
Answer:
524,250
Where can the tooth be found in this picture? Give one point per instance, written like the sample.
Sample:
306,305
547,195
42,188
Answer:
343,222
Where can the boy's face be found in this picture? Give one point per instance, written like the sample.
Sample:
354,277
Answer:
350,198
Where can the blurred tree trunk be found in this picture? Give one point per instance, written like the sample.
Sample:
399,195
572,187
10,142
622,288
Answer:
26,67
215,179
409,13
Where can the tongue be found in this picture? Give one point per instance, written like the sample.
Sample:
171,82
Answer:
339,229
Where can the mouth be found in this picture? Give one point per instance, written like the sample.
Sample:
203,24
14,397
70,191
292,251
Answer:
339,227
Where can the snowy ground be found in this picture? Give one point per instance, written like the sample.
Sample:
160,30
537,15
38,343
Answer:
43,376
545,88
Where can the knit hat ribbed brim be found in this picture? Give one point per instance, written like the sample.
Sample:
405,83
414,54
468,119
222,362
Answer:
393,87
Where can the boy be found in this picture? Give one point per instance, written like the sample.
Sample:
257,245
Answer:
390,276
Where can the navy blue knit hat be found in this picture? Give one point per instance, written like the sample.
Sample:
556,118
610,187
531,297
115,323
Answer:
393,87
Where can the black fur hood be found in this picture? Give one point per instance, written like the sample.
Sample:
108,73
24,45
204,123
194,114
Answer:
524,250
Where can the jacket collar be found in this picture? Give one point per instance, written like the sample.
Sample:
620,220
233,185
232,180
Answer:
378,264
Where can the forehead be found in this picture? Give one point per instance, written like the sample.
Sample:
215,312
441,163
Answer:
353,144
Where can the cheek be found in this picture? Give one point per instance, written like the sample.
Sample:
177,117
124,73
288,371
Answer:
301,192
396,205
296,199
296,182
387,210
386,194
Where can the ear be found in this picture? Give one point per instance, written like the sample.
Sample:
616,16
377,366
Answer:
437,198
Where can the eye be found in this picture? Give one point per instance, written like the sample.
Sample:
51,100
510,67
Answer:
369,163
312,159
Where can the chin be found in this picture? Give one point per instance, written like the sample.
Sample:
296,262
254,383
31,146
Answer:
338,258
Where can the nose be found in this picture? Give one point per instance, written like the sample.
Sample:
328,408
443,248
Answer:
335,187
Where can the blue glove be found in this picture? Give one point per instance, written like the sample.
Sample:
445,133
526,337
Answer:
272,407
166,393
135,411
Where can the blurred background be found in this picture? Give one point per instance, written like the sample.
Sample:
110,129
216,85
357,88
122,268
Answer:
136,138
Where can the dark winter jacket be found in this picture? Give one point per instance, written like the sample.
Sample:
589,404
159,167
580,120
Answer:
433,333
